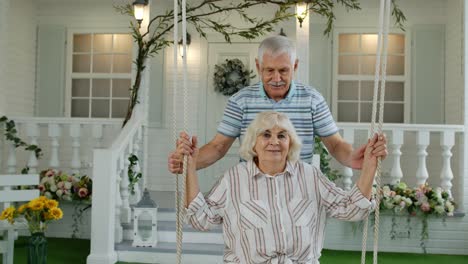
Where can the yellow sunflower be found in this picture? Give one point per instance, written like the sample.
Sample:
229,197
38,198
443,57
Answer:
22,208
36,205
49,204
56,213
8,214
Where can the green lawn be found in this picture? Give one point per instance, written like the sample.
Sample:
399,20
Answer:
75,251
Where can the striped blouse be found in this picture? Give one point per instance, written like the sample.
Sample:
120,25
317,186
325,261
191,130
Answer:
278,219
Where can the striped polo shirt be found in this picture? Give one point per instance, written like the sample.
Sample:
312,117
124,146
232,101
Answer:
304,105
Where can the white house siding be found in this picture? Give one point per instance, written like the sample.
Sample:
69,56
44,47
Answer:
453,62
20,58
4,8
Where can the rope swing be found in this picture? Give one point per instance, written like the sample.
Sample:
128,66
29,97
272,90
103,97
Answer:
381,61
180,179
379,78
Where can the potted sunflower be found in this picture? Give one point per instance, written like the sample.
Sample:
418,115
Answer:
38,213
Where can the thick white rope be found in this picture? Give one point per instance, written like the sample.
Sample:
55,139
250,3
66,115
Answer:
379,77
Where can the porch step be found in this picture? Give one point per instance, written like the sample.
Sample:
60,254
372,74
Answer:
165,253
167,233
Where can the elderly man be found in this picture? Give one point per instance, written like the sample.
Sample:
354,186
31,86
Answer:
304,105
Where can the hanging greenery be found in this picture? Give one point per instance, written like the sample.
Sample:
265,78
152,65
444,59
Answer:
133,177
11,135
319,148
231,76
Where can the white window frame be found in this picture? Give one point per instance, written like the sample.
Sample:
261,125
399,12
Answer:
406,79
69,63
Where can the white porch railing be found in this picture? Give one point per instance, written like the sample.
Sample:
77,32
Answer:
111,206
417,154
66,143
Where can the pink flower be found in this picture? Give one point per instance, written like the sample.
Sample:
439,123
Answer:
425,207
50,173
41,188
60,185
82,192
392,193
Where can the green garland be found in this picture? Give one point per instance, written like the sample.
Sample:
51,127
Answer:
320,149
133,177
231,76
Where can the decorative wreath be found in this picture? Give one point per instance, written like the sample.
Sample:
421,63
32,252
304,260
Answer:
231,76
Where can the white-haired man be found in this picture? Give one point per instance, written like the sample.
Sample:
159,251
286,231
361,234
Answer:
304,105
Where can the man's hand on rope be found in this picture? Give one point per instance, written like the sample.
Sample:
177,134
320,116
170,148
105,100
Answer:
379,150
175,160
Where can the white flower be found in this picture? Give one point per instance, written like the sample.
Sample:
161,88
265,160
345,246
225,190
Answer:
48,195
386,190
59,192
44,180
60,185
439,209
408,201
68,185
67,197
53,188
397,198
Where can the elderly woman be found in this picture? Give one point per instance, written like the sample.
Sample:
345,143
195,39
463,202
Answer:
273,207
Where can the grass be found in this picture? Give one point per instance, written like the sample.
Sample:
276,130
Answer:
75,251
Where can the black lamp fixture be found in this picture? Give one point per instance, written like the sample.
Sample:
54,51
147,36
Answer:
138,10
181,44
302,8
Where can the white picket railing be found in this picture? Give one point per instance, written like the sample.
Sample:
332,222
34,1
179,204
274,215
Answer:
66,143
409,158
111,201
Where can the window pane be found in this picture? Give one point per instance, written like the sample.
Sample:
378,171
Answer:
395,65
349,43
367,90
348,90
122,64
348,65
393,113
369,43
123,43
396,43
101,88
119,108
81,63
368,65
347,112
394,91
102,43
366,112
102,63
82,43
80,108
100,108
80,88
121,88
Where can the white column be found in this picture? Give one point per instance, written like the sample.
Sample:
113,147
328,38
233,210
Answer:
464,159
422,141
103,211
118,229
447,140
4,24
75,134
302,48
348,136
54,133
397,140
97,135
32,131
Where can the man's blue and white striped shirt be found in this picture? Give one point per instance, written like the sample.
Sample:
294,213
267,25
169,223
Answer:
304,105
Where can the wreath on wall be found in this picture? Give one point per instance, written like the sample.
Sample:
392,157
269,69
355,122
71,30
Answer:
231,76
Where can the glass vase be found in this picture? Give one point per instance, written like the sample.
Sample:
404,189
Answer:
37,248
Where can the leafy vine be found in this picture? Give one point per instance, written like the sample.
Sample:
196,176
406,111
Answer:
133,177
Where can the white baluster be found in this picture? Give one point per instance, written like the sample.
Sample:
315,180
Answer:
32,131
136,196
75,133
97,135
447,140
126,212
11,162
348,135
397,140
118,203
55,131
422,141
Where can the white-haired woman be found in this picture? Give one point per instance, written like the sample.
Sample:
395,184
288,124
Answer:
273,207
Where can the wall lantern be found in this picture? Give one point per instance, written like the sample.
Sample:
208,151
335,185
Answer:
139,10
145,222
181,44
302,8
